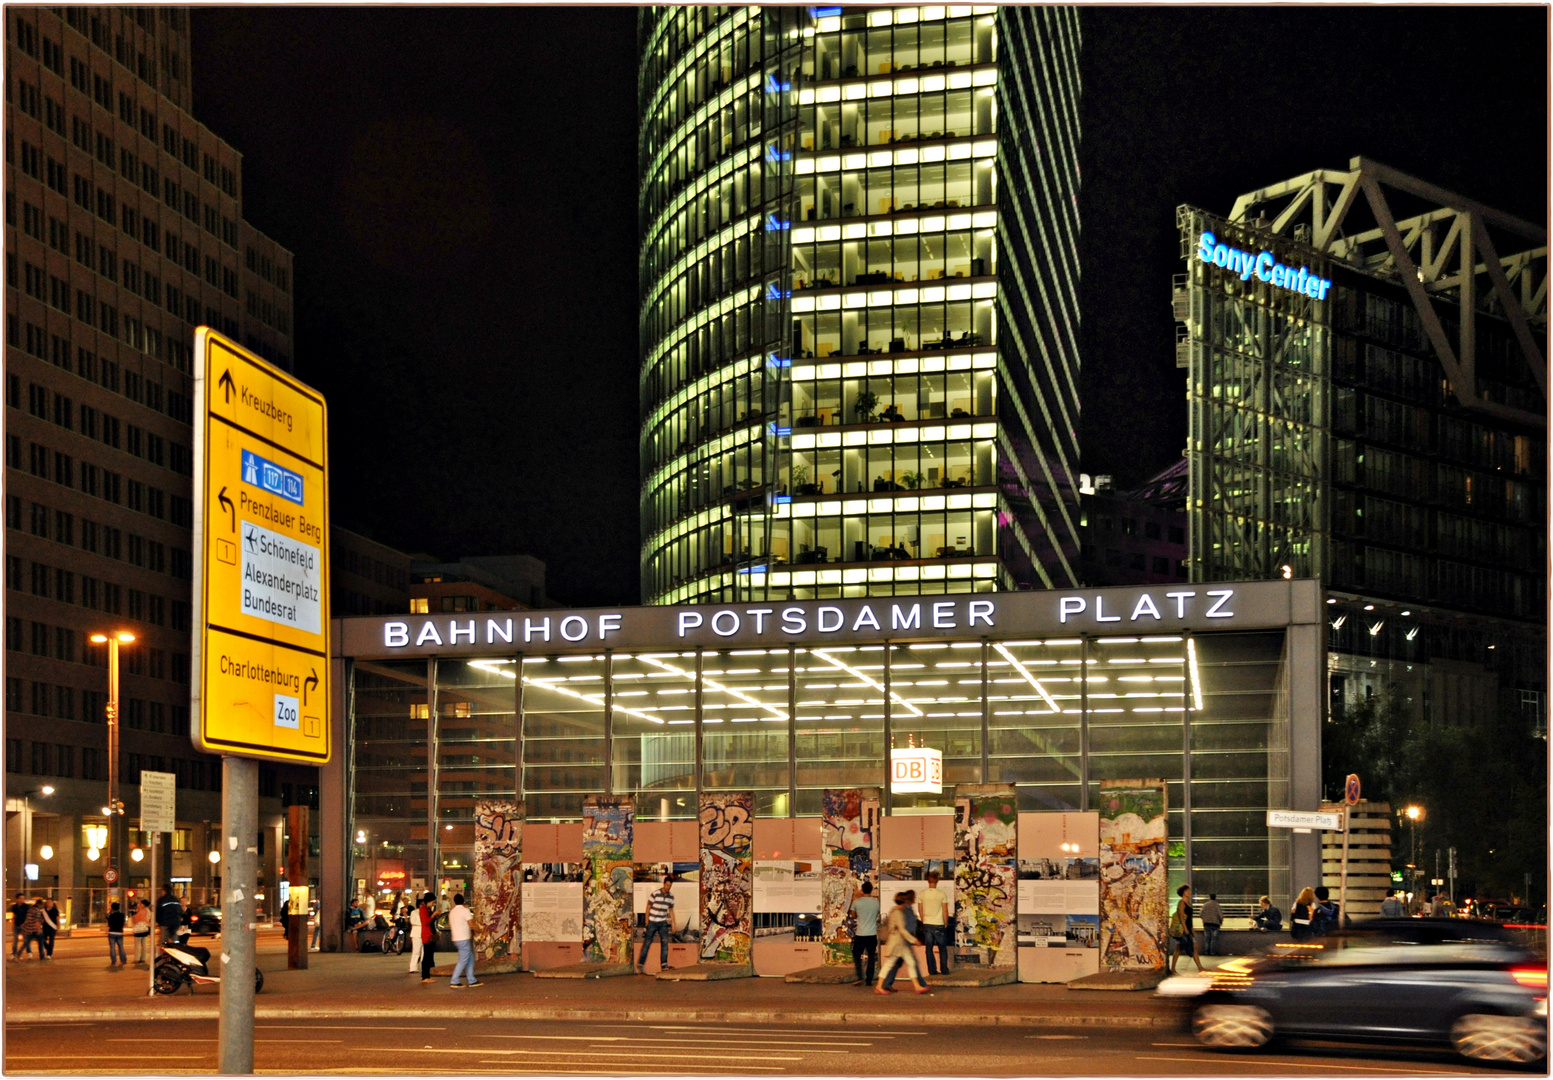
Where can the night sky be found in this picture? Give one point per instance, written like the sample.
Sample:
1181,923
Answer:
459,189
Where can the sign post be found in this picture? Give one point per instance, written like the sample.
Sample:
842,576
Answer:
1350,799
260,664
158,814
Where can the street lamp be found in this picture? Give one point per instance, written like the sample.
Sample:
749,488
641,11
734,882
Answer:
1414,815
26,831
115,808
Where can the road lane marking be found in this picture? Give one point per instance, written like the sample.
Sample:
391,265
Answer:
550,1053
596,1040
341,1027
1056,1036
1271,1064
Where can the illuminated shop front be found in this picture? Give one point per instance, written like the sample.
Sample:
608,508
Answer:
1213,689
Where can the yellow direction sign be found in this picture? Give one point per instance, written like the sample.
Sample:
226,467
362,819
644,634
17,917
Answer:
261,572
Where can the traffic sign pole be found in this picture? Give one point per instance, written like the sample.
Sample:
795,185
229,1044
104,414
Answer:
260,657
1351,799
240,858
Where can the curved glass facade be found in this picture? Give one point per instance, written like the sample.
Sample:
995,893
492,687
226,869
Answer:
858,351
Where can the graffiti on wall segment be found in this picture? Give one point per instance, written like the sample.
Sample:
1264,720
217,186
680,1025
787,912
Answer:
498,893
1133,874
986,872
727,875
849,831
607,825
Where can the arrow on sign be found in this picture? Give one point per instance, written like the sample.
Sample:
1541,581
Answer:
228,387
226,502
311,680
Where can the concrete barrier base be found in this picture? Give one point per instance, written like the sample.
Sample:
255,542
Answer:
586,971
975,977
824,975
1119,980
707,972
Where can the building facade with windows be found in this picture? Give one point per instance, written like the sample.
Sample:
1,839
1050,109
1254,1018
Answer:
124,230
859,310
1215,690
1367,393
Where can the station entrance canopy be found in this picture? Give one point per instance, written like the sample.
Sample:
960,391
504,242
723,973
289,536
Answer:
1041,702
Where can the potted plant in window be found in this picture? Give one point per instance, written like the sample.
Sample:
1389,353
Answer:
867,402
912,480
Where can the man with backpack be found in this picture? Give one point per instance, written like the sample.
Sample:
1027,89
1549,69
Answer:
169,915
1324,916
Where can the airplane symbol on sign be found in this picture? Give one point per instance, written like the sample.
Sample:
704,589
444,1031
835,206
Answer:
253,540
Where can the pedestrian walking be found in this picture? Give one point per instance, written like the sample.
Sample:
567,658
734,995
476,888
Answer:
1212,920
933,916
897,947
1181,935
32,930
50,926
415,914
115,936
1436,908
19,912
318,927
865,935
140,930
1268,918
660,921
1391,907
428,936
461,921
169,915
1301,914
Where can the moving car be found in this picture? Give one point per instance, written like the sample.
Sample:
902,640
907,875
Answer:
1463,983
205,920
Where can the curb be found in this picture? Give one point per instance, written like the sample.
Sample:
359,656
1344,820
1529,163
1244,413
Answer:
622,1015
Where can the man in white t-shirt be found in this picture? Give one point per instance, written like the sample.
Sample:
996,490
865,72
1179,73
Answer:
933,914
460,921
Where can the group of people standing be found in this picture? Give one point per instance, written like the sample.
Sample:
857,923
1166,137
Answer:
1315,915
35,922
916,919
423,938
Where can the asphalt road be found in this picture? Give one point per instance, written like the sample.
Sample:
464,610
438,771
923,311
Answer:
415,1046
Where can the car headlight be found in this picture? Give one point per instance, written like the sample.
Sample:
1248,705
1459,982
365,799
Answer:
1183,986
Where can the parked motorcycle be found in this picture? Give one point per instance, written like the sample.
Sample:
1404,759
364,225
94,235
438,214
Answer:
180,964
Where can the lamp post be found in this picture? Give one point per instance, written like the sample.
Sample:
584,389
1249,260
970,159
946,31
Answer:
1414,814
26,833
115,808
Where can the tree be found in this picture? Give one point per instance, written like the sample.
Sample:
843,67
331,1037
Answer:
1483,790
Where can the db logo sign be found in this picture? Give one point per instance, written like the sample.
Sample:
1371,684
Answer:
917,769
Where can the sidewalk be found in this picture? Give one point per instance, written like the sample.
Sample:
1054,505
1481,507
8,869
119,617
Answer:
77,986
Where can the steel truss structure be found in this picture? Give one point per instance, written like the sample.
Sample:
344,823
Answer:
1445,247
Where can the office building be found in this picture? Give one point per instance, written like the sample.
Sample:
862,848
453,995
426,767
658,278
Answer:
1367,387
859,315
124,231
1134,537
477,583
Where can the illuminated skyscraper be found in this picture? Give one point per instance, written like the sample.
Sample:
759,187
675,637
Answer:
859,311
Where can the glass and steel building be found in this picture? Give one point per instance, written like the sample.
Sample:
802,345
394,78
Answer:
1218,693
1368,406
859,311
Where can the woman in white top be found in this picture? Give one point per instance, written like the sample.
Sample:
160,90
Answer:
417,916
140,922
